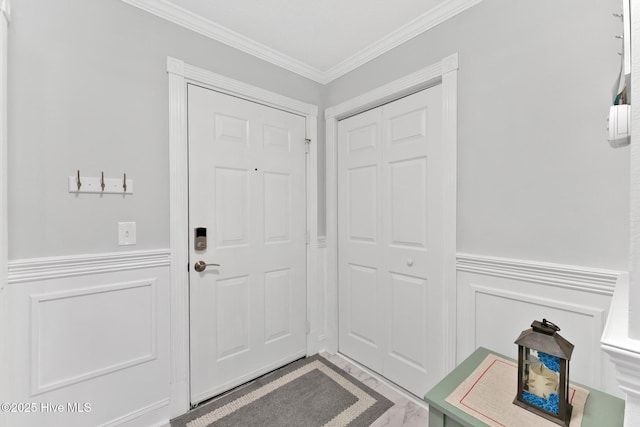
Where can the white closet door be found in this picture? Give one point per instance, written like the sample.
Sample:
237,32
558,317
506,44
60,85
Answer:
247,187
390,240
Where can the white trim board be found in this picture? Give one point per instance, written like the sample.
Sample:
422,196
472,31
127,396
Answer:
585,279
4,238
29,270
180,74
4,184
444,72
173,13
623,350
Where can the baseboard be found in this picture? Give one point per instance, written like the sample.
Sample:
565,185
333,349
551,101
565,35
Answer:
155,415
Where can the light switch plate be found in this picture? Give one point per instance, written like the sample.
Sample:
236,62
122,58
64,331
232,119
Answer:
126,233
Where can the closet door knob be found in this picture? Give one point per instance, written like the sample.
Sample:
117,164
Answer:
409,262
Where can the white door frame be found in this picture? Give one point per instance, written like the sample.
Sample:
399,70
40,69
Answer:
444,72
179,75
4,238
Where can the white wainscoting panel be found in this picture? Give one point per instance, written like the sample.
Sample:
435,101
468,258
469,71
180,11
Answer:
89,339
118,330
498,298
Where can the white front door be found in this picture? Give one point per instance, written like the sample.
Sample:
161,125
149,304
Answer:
247,188
390,216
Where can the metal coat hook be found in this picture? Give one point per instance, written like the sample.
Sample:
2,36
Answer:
100,184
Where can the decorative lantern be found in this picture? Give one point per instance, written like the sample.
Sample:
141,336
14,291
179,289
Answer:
543,372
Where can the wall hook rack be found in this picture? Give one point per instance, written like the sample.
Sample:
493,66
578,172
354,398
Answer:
100,184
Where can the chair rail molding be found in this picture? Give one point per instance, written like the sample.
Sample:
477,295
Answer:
445,73
180,74
586,279
36,269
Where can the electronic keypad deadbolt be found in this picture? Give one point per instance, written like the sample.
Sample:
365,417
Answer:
200,240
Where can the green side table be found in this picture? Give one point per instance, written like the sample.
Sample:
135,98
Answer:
600,410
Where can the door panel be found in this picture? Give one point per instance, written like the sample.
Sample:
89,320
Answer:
278,295
408,314
232,315
407,227
231,201
362,296
389,225
277,205
359,265
362,200
247,187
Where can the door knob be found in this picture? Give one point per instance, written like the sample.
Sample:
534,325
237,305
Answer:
201,266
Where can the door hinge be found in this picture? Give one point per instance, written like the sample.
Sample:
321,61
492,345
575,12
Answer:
307,237
307,143
308,327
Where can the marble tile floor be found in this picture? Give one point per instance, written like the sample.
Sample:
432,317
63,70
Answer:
405,411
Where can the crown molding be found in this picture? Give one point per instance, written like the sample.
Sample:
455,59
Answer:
419,25
180,16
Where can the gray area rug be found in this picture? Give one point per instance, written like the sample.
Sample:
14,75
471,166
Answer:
307,393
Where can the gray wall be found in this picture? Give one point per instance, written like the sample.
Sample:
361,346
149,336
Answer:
537,180
536,177
89,91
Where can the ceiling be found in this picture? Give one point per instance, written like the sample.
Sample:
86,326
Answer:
319,39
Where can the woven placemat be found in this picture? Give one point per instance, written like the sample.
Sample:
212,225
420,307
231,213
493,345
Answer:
487,394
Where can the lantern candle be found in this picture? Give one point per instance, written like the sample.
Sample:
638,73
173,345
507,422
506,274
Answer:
542,384
543,372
